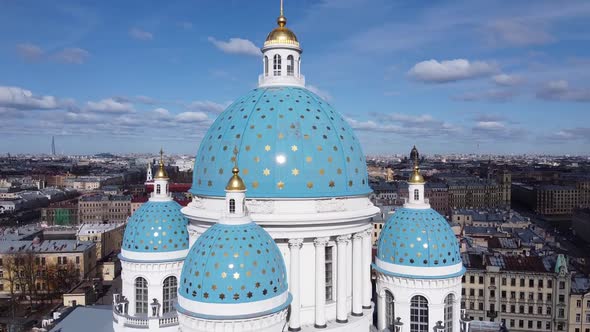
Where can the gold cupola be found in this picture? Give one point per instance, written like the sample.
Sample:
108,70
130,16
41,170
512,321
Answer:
281,34
416,177
161,173
235,183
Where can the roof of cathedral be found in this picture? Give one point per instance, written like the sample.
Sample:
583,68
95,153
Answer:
288,142
157,226
418,238
233,264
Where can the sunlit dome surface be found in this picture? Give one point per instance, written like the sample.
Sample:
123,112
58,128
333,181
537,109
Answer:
156,227
289,143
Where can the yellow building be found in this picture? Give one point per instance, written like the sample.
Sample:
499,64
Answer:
44,266
108,237
579,313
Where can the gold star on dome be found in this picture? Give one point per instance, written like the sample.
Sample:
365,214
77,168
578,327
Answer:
322,172
255,184
294,148
223,275
295,171
267,148
266,172
329,159
281,185
281,136
214,287
257,159
236,275
247,147
310,185
308,159
320,148
245,171
331,184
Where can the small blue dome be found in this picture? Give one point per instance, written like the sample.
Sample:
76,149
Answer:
289,143
233,264
156,227
418,238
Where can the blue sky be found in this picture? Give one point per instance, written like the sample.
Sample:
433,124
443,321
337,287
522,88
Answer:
500,77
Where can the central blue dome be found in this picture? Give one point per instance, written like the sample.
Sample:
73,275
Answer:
288,142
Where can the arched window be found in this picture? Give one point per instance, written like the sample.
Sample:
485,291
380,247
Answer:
419,314
389,311
416,194
158,189
141,296
449,300
265,65
232,206
290,65
276,65
169,295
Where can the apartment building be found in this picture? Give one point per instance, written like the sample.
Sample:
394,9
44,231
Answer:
525,293
579,313
108,237
42,258
101,208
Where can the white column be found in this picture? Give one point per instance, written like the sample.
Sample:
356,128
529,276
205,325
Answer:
349,274
320,282
341,310
357,269
294,284
366,260
381,311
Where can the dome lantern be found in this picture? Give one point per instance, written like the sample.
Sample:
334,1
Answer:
416,185
281,57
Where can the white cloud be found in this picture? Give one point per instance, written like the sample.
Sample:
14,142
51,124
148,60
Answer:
493,95
109,105
81,118
433,71
322,93
29,51
191,117
561,90
140,34
236,46
72,55
206,106
507,80
518,33
15,97
490,125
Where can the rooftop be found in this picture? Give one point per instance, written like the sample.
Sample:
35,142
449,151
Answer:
47,246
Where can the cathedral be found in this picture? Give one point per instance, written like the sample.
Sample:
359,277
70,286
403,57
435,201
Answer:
277,236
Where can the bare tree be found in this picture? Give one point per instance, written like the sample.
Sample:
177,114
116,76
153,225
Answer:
9,274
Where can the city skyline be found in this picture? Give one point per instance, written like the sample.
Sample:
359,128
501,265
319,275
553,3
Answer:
450,77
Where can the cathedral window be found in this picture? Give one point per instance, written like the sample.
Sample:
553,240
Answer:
419,314
277,65
329,273
389,310
265,65
169,294
449,300
158,189
232,206
290,65
416,194
141,296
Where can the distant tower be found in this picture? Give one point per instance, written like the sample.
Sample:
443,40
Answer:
149,177
53,145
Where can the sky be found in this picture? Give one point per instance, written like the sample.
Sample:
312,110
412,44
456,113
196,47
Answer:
486,77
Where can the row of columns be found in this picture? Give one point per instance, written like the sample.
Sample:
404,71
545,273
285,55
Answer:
353,275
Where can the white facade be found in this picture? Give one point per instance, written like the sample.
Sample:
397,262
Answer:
305,230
